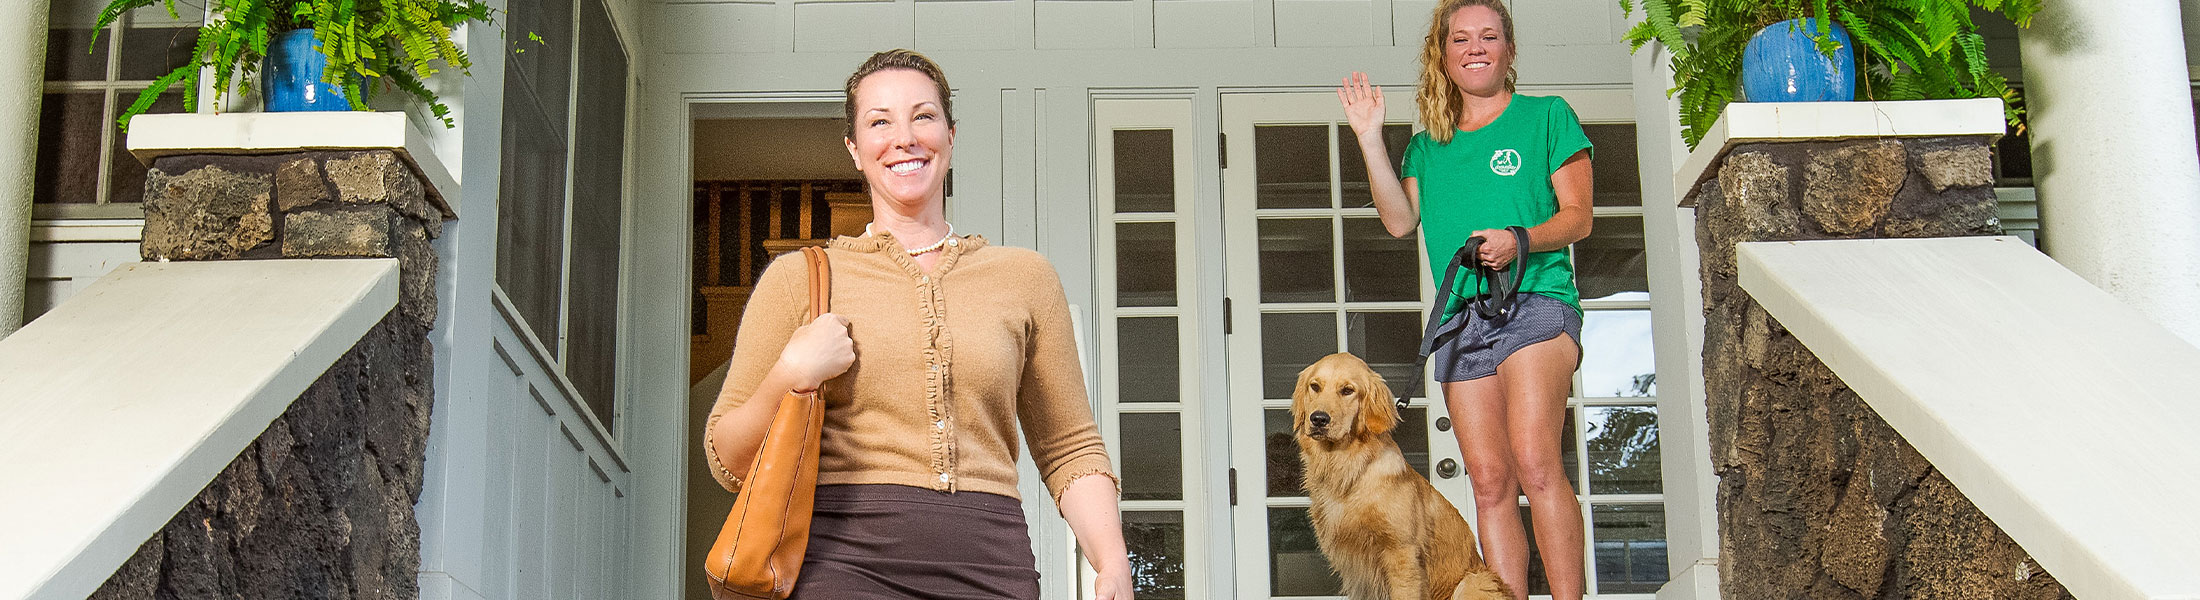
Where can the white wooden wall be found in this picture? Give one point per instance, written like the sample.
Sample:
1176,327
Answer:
65,256
557,507
747,26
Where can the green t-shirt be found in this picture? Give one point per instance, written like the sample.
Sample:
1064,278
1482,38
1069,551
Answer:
1495,177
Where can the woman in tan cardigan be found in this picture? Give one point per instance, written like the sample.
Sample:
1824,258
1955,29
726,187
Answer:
937,348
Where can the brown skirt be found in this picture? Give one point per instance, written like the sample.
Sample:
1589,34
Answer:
890,542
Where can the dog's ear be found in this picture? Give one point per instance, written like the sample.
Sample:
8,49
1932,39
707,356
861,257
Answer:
1379,408
1298,399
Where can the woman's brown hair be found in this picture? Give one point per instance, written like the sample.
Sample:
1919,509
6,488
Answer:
901,58
1438,97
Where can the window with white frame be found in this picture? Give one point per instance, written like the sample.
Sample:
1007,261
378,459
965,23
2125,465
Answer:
1149,341
562,201
83,169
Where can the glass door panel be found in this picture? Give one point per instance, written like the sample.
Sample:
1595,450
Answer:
1313,273
1149,340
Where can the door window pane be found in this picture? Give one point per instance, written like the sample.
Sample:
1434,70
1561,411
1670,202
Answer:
1610,263
1623,450
1290,342
1145,264
1352,166
543,72
150,52
1617,359
1630,548
1296,566
1618,183
1156,543
1286,469
599,195
1297,261
1378,267
1412,438
1146,359
71,56
1145,171
1388,341
1153,457
1291,166
69,127
125,175
531,216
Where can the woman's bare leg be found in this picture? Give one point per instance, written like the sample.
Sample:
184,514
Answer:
1478,410
1537,380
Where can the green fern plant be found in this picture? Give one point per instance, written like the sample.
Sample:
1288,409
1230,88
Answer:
399,42
1909,49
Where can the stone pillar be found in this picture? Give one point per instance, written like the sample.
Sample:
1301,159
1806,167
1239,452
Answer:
1818,497
22,80
321,505
2113,153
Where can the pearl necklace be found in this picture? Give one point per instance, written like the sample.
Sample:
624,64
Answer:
946,241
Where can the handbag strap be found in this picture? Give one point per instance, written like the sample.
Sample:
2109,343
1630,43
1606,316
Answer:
821,283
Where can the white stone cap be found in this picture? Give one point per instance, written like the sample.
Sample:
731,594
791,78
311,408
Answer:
155,136
124,402
2065,416
1747,122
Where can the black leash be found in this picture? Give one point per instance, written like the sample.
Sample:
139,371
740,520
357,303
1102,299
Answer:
1496,301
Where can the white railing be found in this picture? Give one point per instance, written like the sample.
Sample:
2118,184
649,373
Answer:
2068,418
120,405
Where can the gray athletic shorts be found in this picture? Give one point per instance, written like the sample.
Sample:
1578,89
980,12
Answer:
1481,344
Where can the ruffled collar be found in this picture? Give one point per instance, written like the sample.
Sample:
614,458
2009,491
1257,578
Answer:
883,242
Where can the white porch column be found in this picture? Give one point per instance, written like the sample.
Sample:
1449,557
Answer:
22,78
2112,145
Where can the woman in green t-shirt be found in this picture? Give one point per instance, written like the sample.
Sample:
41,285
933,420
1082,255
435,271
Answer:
1492,159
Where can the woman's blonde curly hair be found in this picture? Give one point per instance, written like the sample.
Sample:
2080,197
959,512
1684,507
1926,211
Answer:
1438,98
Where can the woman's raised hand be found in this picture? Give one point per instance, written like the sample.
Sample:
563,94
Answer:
1363,105
818,351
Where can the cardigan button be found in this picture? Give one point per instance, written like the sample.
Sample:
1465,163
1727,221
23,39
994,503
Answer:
943,478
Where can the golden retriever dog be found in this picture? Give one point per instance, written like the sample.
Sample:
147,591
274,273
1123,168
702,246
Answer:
1387,532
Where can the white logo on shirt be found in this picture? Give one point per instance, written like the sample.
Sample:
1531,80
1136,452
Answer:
1505,162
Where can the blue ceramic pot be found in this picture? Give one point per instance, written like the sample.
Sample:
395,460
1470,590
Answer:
291,77
1782,64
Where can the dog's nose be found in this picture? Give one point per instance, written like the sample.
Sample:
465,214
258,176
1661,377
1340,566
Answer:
1319,419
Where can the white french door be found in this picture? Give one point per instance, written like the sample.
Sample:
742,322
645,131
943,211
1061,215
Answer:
1149,341
1311,272
1308,270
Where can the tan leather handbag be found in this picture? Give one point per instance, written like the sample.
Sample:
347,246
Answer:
759,551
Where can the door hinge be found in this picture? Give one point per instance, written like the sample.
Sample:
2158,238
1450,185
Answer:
1226,315
1233,486
1222,149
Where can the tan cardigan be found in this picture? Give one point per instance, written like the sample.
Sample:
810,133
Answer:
946,367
